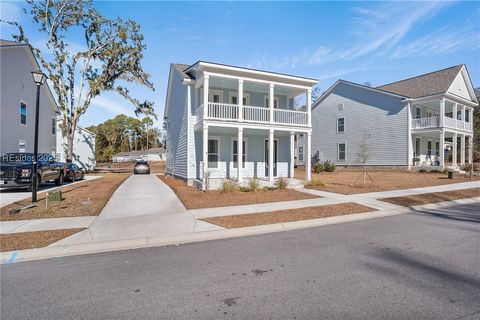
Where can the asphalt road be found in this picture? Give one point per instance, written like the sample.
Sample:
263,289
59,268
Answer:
417,266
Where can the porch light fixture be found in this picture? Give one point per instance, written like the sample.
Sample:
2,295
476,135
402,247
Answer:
39,78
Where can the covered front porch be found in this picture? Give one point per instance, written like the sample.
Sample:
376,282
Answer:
438,149
266,154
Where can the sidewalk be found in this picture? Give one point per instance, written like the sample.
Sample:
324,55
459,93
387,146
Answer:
17,226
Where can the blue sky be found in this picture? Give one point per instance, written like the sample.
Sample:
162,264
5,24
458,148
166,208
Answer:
379,42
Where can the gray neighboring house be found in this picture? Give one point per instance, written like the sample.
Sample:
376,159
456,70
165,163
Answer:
152,154
17,102
424,121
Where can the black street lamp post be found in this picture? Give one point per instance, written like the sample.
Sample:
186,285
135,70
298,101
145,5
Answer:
39,79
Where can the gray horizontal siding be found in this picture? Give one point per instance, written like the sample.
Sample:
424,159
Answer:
366,113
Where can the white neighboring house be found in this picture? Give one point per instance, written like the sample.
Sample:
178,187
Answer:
424,121
18,102
83,147
152,154
210,107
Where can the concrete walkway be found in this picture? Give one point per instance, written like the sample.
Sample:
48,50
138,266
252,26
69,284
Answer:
143,206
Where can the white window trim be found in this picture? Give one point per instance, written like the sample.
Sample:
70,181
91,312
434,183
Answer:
26,113
344,125
218,151
232,94
275,98
20,141
338,151
212,92
246,151
418,108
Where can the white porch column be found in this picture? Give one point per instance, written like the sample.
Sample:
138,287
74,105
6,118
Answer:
454,150
240,99
455,115
442,112
463,119
205,157
308,163
470,149
205,95
271,101
309,107
292,154
462,149
240,155
442,148
270,155
409,136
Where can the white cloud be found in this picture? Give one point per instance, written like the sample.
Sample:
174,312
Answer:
112,106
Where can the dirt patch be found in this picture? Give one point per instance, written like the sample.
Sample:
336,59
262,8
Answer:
434,197
341,180
30,240
280,216
196,199
82,199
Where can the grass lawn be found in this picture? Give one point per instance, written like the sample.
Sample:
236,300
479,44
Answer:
196,199
341,180
82,199
419,199
30,240
280,216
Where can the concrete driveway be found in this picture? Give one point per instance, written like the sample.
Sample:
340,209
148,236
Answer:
8,196
143,206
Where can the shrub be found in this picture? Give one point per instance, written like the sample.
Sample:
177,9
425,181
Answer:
318,167
329,166
315,182
228,186
269,188
253,184
281,183
422,170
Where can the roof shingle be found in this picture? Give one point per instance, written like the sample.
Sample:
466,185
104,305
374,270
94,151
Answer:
424,85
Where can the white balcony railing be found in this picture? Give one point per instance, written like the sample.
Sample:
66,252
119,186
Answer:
427,122
468,126
256,114
449,122
252,114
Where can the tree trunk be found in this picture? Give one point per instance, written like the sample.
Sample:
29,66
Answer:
71,128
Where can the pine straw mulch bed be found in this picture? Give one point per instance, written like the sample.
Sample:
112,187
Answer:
30,240
82,199
341,180
280,216
196,199
426,198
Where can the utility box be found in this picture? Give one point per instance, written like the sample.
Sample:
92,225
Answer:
54,196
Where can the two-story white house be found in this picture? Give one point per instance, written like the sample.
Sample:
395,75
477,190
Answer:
210,107
18,101
424,121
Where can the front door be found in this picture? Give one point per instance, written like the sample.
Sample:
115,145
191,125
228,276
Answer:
274,158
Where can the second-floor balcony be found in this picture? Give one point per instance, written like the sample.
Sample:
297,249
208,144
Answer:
252,114
434,122
429,115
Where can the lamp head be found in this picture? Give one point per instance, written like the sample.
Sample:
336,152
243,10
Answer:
39,77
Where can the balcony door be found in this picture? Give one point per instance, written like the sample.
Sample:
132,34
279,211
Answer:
215,96
274,158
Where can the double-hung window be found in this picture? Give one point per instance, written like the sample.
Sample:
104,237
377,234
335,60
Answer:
235,153
213,153
467,115
342,151
300,154
340,125
23,113
54,126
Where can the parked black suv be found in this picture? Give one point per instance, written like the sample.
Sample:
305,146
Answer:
16,170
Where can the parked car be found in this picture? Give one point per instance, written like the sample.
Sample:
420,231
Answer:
16,170
73,172
141,166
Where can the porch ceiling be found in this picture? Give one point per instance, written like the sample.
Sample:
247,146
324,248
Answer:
231,84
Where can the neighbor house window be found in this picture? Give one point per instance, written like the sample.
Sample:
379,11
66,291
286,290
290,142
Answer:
275,103
22,146
417,147
340,125
54,126
429,148
235,153
467,115
300,153
213,153
23,113
459,114
418,113
234,98
342,151
437,148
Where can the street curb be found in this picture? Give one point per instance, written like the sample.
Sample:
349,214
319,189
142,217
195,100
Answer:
9,257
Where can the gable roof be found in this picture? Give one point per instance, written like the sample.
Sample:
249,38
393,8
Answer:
181,69
428,84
